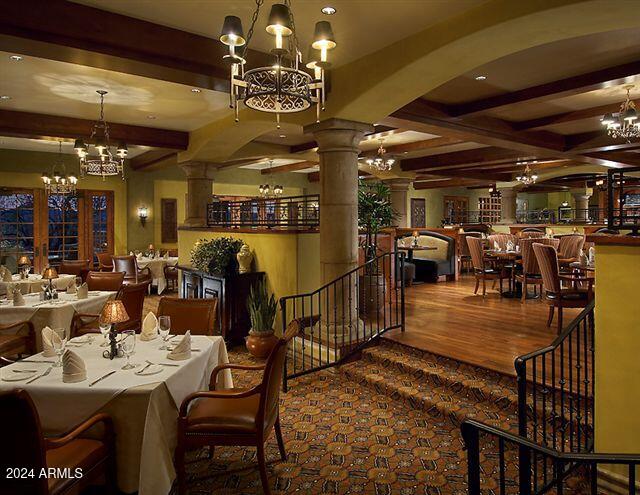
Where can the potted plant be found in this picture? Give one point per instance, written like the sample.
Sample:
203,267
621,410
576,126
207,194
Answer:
262,309
374,213
216,256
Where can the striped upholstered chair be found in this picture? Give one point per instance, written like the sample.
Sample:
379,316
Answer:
482,270
554,295
530,274
569,248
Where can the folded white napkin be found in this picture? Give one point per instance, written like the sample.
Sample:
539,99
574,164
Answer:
130,253
183,349
496,246
10,288
149,327
6,275
73,367
18,298
166,255
71,288
139,256
83,291
48,338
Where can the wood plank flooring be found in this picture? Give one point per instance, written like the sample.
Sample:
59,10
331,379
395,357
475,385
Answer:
448,319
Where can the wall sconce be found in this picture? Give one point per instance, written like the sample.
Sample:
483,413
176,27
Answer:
143,213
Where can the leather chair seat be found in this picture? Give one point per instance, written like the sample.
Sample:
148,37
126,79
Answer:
232,415
80,453
571,295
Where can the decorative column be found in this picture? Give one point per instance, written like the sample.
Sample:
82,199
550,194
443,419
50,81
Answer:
508,205
199,183
581,197
399,189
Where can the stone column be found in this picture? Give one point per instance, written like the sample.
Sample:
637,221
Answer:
199,182
399,189
508,205
581,197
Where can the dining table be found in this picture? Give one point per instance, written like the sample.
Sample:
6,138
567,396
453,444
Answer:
156,267
35,283
507,258
143,402
55,313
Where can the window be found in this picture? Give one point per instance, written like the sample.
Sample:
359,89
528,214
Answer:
17,234
63,214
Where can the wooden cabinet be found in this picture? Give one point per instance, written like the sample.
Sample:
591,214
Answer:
232,292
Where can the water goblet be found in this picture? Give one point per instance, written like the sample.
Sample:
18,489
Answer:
128,342
60,344
164,326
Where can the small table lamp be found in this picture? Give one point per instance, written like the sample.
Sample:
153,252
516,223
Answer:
112,313
49,273
24,263
416,235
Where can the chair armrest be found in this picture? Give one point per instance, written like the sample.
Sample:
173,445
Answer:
54,443
30,335
145,269
571,278
184,407
214,374
78,320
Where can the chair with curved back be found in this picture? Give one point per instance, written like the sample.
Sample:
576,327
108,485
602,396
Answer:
132,274
465,254
235,417
17,338
554,295
528,234
111,281
197,315
171,276
606,230
502,240
79,268
25,446
530,274
481,270
569,248
105,262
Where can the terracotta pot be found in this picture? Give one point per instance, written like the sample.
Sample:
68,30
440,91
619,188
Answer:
260,345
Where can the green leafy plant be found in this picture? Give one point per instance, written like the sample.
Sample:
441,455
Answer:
374,213
214,256
262,308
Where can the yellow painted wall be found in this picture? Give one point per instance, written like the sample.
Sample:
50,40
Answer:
434,201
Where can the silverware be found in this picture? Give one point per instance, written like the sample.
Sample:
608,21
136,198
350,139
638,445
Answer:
164,364
47,371
102,378
34,361
142,370
25,371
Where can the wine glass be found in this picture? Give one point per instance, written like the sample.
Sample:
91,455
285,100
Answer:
128,342
105,328
60,344
164,326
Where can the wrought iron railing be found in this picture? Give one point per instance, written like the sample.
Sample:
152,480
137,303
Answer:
292,212
505,466
623,200
343,316
593,215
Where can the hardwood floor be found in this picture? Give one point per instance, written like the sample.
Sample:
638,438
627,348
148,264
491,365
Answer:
448,319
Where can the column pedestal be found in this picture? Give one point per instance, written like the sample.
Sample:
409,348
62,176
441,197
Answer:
399,191
508,205
199,183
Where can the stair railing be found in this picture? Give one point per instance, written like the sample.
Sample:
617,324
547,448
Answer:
344,315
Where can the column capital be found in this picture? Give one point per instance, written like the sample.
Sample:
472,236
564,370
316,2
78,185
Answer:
338,134
198,170
582,193
398,184
508,192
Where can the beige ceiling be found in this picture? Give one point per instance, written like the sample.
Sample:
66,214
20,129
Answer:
47,146
59,88
360,26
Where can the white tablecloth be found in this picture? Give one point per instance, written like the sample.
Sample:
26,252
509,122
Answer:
156,266
54,314
144,408
35,282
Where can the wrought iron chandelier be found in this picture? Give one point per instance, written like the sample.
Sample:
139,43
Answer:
270,189
102,161
58,182
625,123
527,177
282,87
380,162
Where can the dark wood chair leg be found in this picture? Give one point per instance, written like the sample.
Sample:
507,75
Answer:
212,449
524,289
500,286
475,291
262,465
550,319
484,286
283,454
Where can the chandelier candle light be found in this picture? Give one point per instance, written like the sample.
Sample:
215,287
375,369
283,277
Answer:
58,182
625,123
102,161
527,177
270,189
282,87
380,162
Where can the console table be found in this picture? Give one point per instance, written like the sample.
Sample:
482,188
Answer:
232,292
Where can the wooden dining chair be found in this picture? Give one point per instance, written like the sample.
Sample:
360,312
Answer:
530,271
171,275
17,339
132,274
502,240
25,446
465,254
105,263
79,268
554,295
569,248
111,281
197,315
482,270
235,417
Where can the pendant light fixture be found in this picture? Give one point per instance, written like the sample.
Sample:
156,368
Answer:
58,181
527,177
100,160
270,189
282,87
625,123
380,162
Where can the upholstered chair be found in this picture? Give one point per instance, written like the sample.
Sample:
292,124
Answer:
482,270
171,275
569,248
129,266
111,281
530,273
197,315
79,268
105,262
16,339
237,417
25,446
502,240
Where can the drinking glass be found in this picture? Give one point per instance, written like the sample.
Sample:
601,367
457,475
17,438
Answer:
105,328
164,326
128,342
60,345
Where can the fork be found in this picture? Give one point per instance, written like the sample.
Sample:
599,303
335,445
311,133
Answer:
164,364
47,371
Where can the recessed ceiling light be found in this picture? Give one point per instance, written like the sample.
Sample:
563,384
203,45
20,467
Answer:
196,90
283,136
328,10
15,58
480,78
151,117
5,97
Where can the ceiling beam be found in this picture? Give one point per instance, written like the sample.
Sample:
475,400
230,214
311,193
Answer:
379,130
597,141
70,32
470,174
563,118
289,167
417,146
466,157
437,184
41,126
151,158
611,76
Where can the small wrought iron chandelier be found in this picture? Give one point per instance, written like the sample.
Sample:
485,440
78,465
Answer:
527,177
102,161
625,123
282,87
270,189
380,162
58,182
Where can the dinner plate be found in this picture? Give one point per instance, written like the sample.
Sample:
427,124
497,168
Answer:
151,370
18,377
94,292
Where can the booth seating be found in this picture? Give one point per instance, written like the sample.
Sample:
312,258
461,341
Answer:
432,264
